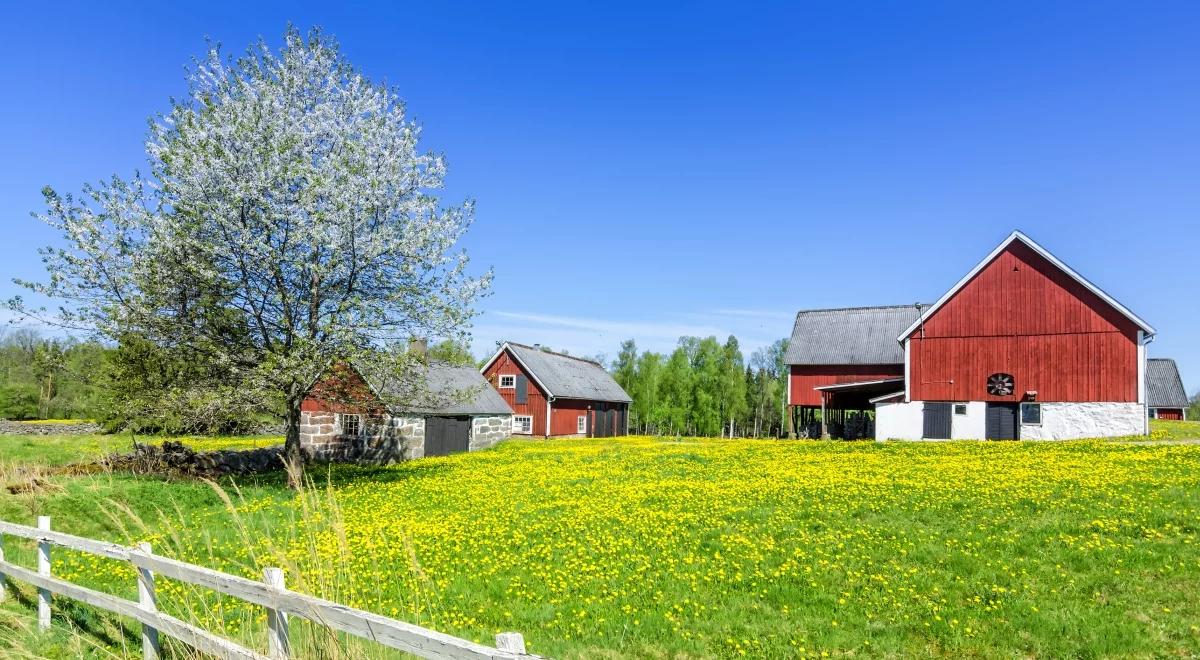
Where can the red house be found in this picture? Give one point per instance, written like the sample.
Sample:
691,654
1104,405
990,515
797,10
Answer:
1021,347
554,394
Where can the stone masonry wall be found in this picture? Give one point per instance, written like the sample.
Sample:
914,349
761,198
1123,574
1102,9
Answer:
387,439
384,439
487,431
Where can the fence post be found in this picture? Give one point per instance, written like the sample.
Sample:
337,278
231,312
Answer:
510,641
44,569
3,579
278,645
149,602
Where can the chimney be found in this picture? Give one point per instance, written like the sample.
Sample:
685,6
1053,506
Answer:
538,346
418,346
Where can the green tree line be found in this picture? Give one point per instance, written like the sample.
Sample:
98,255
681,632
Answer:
704,388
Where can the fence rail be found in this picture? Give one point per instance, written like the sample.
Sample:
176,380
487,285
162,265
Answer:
271,594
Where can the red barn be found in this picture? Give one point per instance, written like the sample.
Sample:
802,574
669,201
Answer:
554,394
1165,395
1022,346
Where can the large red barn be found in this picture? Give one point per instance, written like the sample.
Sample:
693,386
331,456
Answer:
1022,346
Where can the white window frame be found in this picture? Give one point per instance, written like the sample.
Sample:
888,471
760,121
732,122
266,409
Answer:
1022,413
341,423
581,424
518,427
512,385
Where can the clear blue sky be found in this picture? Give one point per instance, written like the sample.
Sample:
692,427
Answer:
702,169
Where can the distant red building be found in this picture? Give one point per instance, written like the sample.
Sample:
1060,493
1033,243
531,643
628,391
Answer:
554,394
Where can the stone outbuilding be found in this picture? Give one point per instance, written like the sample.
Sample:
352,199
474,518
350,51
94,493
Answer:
449,408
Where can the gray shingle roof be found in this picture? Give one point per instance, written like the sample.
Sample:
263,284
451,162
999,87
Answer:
1164,387
448,389
568,377
854,335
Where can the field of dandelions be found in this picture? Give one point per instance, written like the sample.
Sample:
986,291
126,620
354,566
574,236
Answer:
652,547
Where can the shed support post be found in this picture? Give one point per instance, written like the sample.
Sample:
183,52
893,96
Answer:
149,602
510,641
44,569
278,645
824,423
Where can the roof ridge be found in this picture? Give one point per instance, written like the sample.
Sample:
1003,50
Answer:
546,350
853,309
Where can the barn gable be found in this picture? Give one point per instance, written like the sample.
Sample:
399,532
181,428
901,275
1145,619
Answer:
1007,285
1024,313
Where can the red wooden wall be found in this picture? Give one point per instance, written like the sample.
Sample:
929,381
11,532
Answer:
564,415
805,377
1169,413
1022,316
536,402
342,390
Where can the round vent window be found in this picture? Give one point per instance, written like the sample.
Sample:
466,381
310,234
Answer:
1000,384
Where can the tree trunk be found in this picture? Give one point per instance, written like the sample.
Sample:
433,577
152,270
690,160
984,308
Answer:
293,458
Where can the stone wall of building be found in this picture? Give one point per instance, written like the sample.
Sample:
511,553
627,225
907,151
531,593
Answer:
387,439
488,430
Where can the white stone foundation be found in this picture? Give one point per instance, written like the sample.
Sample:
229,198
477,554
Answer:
1067,421
1060,421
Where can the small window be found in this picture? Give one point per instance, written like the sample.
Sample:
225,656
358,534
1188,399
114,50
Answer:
960,409
1031,413
581,425
523,424
508,381
350,424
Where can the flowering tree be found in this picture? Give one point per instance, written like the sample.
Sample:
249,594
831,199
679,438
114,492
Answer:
287,223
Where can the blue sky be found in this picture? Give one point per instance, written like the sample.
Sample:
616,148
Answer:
702,168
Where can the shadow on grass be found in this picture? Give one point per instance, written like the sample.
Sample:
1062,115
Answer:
82,618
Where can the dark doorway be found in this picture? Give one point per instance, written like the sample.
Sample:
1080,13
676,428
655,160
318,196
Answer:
447,435
1002,421
937,421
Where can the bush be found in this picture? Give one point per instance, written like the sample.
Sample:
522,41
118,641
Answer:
18,402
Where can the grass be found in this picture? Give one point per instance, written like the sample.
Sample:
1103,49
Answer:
68,448
650,548
1165,429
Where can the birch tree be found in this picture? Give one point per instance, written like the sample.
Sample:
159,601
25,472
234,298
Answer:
288,220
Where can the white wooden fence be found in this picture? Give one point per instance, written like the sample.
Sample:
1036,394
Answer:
270,594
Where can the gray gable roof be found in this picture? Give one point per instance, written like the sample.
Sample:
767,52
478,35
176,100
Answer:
568,377
448,389
853,335
1164,387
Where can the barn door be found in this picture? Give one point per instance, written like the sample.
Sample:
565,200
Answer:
522,384
937,421
447,435
1002,421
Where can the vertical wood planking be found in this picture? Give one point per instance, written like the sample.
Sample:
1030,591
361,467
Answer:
278,644
44,569
148,601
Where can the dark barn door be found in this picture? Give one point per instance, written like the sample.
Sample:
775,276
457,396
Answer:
1002,421
447,435
601,416
937,421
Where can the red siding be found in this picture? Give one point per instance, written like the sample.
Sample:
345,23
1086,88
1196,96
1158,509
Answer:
805,377
342,390
564,416
536,403
1169,413
1021,315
